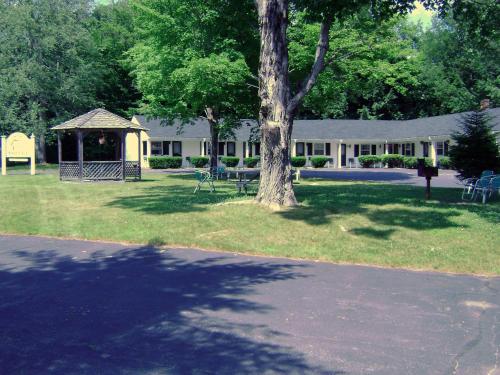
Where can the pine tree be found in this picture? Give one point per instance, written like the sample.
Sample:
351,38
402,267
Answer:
475,148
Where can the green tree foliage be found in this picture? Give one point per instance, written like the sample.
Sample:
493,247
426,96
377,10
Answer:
372,67
475,148
112,30
193,59
47,64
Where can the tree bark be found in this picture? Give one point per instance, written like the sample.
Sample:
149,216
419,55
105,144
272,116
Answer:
278,107
214,137
275,188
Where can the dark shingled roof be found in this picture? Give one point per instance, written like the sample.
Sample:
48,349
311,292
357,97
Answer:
328,129
98,119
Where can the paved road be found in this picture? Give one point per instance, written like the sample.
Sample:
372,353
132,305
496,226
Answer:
71,307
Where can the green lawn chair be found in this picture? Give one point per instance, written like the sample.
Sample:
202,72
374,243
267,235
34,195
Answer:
469,192
204,177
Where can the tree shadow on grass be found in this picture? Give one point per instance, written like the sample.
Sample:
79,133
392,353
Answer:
137,311
321,204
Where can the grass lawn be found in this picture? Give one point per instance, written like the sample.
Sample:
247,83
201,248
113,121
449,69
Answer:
349,222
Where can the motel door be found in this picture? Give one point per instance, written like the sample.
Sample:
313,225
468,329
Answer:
343,155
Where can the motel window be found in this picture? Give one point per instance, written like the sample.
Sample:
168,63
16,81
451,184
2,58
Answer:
328,150
365,149
176,148
231,149
299,149
440,148
156,148
144,148
374,149
408,149
250,148
244,149
319,149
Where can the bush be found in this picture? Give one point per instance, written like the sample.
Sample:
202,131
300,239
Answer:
298,161
251,162
230,161
445,163
368,161
165,162
198,161
411,162
392,160
319,161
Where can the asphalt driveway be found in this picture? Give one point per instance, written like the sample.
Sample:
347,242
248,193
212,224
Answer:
73,307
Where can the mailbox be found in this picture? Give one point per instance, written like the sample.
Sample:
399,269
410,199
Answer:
428,173
424,171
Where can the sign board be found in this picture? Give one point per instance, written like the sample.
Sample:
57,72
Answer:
18,147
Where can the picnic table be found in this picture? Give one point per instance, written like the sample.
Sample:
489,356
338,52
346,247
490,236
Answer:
243,178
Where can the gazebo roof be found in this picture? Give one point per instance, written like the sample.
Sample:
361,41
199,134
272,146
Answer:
98,119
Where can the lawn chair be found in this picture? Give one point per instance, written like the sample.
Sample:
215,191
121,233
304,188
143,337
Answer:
204,177
470,184
495,186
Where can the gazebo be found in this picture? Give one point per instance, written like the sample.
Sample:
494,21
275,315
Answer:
104,123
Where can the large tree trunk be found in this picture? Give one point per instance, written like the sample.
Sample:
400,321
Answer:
275,189
214,136
278,106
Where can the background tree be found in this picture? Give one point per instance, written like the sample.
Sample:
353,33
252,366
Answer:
191,60
475,148
47,65
112,30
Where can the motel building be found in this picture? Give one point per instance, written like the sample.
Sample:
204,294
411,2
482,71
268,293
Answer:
342,141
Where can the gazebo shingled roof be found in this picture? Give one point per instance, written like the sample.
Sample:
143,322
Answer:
98,119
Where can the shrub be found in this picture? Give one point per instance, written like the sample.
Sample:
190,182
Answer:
411,162
392,160
251,162
165,162
319,161
445,163
230,161
298,161
368,161
198,161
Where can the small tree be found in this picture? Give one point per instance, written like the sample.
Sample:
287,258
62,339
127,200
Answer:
475,148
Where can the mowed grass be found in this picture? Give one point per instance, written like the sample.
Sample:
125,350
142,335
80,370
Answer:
349,222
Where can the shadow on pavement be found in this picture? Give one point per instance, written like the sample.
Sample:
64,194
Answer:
136,311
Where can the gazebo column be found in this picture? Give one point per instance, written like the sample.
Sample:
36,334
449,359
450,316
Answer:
139,155
79,136
59,152
124,153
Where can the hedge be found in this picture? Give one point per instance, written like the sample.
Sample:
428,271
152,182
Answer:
198,161
319,161
165,162
368,161
298,161
230,161
392,160
251,162
411,162
445,163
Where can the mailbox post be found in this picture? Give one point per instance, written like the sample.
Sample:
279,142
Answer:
428,173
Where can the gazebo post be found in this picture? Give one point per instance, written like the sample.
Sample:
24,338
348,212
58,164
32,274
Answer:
59,152
80,153
139,153
124,153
